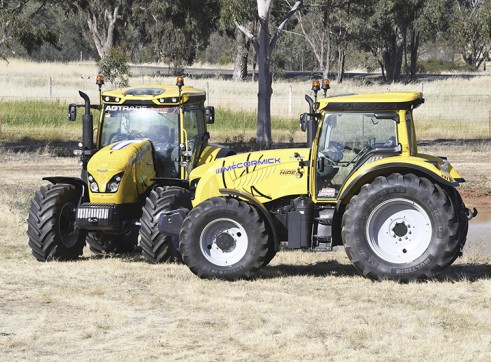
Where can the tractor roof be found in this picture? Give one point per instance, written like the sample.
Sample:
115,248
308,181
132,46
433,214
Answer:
390,101
154,94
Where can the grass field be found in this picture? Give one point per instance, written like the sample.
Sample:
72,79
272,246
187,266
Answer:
303,306
34,96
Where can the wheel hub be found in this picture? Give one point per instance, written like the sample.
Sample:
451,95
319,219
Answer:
399,230
225,242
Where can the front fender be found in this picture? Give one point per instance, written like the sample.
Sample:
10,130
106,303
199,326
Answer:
80,184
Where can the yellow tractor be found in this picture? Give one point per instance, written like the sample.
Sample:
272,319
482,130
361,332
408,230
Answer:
149,139
360,183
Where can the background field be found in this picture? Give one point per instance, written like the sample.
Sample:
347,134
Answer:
34,96
303,306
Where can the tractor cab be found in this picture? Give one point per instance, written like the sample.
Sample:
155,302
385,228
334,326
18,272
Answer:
352,134
171,117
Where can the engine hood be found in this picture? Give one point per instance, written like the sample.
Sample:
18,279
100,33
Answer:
132,161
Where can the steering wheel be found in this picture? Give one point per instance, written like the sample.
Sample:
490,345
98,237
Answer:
334,153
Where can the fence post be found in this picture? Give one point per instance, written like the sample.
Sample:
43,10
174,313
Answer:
50,86
489,126
290,100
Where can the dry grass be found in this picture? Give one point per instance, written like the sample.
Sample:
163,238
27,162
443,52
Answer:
455,107
304,306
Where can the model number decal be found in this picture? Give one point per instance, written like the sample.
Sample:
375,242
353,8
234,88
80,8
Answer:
267,161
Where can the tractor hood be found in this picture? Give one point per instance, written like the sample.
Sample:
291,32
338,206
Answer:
121,172
264,174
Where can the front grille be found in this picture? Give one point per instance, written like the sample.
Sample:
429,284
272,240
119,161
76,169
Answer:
98,217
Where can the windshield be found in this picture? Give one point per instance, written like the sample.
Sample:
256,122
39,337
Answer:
159,124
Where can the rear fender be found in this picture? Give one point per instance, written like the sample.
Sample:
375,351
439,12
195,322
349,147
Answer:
386,169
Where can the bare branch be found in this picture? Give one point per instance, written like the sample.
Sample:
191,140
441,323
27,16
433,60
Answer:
285,19
248,34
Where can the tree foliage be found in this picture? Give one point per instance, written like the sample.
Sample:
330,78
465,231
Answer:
114,67
471,30
23,23
177,29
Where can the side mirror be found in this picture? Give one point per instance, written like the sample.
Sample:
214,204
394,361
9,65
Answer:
303,122
72,112
210,114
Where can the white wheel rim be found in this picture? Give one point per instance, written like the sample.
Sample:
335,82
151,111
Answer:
224,242
399,230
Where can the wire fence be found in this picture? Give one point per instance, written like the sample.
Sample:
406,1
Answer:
463,112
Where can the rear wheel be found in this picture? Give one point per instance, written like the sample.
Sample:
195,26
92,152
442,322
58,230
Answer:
402,228
460,210
156,246
224,238
51,224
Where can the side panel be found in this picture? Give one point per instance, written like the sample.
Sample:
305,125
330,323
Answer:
266,175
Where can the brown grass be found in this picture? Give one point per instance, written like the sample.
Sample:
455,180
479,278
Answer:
304,306
455,107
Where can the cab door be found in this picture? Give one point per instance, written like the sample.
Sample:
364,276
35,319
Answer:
193,129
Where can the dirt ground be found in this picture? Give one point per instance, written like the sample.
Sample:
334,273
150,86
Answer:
303,306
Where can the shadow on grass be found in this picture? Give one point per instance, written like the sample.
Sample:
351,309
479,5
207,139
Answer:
465,272
321,269
58,148
453,274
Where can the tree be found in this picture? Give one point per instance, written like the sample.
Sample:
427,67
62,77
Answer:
102,18
239,11
264,45
329,26
22,23
471,30
177,29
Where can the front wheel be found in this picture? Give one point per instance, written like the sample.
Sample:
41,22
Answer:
156,246
51,224
402,228
224,238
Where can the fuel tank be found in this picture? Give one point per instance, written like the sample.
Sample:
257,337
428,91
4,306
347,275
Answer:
121,172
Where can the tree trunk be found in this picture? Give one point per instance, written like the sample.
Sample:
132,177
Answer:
103,42
240,65
392,58
264,85
341,61
414,46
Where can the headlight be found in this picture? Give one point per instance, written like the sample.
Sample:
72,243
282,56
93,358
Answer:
94,187
113,184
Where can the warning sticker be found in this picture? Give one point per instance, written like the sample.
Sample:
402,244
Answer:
327,192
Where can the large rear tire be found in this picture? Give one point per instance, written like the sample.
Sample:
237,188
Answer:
51,224
224,238
156,246
460,210
401,228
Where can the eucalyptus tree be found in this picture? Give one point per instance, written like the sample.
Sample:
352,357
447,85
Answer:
176,30
22,23
471,30
264,43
